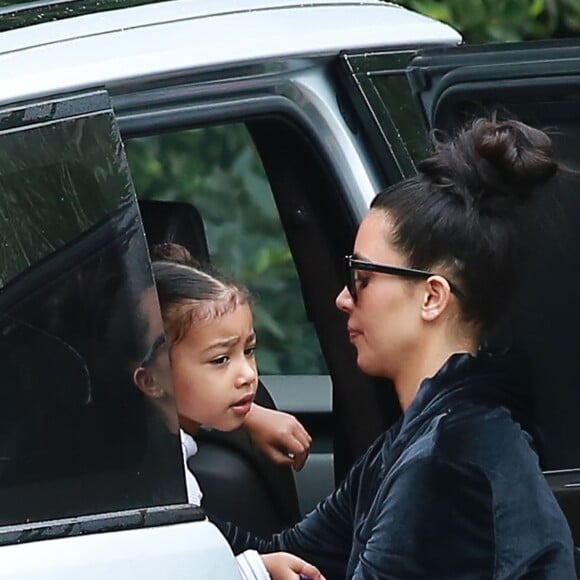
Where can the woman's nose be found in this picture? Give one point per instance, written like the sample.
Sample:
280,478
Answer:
344,300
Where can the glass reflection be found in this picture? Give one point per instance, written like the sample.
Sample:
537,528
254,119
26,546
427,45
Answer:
56,181
78,313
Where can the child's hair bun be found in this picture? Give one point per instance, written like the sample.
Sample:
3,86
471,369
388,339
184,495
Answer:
492,164
171,252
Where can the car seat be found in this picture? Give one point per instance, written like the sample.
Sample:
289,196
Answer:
240,484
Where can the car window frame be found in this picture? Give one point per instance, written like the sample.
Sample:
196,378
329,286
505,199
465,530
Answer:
29,116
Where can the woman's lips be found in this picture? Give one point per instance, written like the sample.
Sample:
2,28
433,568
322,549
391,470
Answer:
243,406
352,333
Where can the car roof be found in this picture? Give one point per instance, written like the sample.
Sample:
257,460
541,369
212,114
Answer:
102,47
23,14
26,13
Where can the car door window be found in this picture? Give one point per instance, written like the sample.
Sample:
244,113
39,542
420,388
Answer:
78,313
384,98
218,170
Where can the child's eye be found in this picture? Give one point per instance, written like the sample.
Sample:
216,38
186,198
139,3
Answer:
219,360
250,351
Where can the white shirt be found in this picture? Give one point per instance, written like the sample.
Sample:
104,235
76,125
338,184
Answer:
250,563
189,449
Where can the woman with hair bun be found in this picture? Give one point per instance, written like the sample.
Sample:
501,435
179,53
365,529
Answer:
454,488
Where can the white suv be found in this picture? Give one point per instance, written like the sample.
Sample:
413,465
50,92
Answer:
319,105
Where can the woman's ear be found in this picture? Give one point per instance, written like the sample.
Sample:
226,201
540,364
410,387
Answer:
435,299
146,382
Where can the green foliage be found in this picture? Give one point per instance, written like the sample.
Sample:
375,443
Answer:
218,170
503,20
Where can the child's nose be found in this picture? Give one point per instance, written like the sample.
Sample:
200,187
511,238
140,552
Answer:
248,373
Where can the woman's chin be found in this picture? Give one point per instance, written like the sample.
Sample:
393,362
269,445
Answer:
369,365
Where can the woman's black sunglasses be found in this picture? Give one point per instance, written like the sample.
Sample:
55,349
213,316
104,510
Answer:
352,263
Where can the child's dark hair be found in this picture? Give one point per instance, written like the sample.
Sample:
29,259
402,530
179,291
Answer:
463,213
190,293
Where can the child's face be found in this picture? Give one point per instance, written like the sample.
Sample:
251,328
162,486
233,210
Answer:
214,370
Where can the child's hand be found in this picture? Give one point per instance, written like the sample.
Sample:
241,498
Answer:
284,566
279,435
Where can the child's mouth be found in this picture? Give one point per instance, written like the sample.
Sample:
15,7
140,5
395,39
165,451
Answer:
243,406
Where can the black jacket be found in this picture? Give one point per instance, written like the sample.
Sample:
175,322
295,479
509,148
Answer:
453,490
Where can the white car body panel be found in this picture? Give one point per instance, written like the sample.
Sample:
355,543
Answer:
189,551
112,47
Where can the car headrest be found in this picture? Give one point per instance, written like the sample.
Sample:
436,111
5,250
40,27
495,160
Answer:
174,221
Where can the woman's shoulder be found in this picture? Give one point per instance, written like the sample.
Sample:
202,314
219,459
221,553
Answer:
486,437
472,446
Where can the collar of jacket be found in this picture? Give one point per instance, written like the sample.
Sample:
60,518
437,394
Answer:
491,379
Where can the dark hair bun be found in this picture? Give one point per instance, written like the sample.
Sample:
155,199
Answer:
492,164
170,252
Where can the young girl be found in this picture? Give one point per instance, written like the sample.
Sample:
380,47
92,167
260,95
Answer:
211,365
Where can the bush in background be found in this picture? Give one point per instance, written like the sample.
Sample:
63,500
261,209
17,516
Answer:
504,20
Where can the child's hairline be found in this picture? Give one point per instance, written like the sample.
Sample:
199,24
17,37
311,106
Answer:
210,311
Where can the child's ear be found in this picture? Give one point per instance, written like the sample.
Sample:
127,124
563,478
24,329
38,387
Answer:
147,383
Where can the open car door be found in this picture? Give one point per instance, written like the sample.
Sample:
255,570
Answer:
91,480
403,96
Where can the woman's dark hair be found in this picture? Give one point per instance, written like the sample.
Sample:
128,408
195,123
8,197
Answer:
464,213
190,293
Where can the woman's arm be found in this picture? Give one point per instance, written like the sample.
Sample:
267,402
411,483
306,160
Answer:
325,536
435,521
322,538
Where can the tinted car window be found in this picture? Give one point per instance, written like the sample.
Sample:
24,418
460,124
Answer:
78,313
